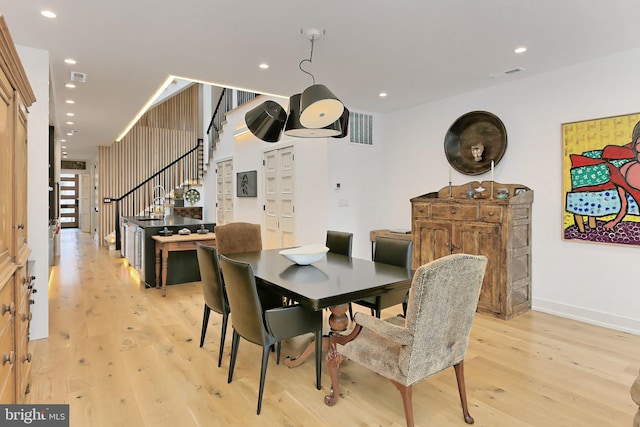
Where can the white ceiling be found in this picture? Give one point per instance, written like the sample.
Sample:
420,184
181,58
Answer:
415,50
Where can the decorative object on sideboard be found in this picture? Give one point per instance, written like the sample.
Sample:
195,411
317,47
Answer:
165,232
502,193
474,141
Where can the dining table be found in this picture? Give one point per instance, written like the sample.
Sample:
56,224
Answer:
332,283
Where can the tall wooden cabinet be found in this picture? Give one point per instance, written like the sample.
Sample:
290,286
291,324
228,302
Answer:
447,222
16,284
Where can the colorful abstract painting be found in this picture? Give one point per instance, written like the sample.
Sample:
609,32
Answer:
601,180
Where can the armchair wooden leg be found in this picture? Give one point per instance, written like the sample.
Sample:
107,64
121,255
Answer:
462,390
334,359
406,393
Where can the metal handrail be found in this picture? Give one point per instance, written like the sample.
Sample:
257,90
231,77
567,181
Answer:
117,200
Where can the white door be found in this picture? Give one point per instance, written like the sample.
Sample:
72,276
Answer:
85,203
224,193
279,209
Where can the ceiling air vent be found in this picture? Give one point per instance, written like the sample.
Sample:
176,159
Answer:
77,76
506,73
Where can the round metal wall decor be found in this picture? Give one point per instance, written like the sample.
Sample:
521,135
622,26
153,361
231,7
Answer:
473,141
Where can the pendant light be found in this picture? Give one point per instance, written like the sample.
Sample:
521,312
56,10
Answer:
266,121
314,113
319,107
294,128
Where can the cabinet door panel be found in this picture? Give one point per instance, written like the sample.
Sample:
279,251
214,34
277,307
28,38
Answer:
7,351
433,243
6,171
482,239
21,156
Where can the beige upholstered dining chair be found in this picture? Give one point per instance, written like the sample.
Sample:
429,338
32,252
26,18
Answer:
241,237
433,336
238,237
215,296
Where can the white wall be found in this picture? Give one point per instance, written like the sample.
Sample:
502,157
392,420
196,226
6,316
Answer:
361,203
36,65
590,282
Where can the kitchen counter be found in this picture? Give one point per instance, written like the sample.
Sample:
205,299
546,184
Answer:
138,247
170,222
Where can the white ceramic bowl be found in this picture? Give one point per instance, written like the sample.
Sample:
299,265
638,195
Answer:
305,255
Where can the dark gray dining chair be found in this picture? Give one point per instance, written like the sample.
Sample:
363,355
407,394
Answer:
265,327
394,252
339,242
215,296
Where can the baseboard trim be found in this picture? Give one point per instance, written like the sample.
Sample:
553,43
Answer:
606,320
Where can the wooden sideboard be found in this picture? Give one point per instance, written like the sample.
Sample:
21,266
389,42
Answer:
16,284
446,222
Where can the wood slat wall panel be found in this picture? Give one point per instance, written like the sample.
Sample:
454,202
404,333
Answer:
162,134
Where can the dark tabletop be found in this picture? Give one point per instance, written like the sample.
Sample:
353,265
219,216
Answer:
332,281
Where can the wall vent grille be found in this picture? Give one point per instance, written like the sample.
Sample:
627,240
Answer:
77,76
361,128
506,72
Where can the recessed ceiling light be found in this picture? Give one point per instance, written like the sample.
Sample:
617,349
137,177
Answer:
70,61
264,65
70,123
520,49
70,85
63,140
70,101
382,94
64,146
64,157
70,114
47,14
69,133
65,153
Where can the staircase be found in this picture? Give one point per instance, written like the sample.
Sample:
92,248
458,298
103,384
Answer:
148,168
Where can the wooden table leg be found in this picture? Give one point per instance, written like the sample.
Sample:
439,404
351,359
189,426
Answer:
158,250
338,322
165,264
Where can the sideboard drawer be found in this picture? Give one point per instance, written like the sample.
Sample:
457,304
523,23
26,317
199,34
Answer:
455,212
490,214
421,210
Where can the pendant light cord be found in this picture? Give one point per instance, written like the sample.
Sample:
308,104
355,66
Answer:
309,61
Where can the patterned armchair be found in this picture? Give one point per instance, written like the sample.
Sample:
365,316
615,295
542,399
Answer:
434,336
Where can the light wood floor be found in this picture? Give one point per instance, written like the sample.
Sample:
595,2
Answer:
121,355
